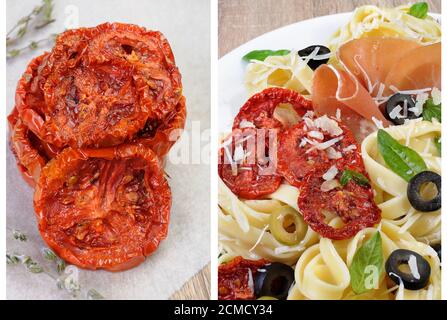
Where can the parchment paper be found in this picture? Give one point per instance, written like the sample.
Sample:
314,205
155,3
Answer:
186,250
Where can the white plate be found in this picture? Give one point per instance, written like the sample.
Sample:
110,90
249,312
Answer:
232,92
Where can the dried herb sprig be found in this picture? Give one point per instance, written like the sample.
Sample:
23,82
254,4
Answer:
67,279
43,11
92,294
19,235
33,45
31,265
49,255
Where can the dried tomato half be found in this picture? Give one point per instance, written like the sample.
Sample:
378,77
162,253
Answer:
233,278
301,149
160,137
29,98
103,208
30,152
353,203
247,162
260,108
102,84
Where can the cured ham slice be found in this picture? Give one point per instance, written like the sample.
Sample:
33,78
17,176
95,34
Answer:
335,89
418,69
374,69
371,59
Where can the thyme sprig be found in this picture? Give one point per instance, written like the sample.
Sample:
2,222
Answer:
43,12
67,276
66,280
49,255
19,235
33,45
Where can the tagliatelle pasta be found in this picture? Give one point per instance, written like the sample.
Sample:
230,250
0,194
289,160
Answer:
322,270
372,21
289,71
391,190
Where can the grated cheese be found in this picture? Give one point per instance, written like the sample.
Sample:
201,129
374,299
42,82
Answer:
329,185
250,282
333,154
350,148
436,95
410,92
246,124
338,114
330,174
421,99
378,123
412,263
328,125
259,239
325,145
395,113
316,135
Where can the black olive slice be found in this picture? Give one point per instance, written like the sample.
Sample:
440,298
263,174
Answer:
314,64
414,189
274,280
437,248
405,102
420,269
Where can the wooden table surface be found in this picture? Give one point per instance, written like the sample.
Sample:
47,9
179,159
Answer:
243,20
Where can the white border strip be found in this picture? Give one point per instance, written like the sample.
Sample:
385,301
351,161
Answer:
444,156
3,151
214,145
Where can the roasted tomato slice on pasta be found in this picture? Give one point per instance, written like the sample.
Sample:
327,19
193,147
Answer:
247,162
102,91
315,143
353,203
103,208
160,137
259,110
236,278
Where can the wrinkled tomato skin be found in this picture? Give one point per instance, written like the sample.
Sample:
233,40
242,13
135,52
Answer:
100,86
163,137
103,208
353,203
252,183
295,161
233,278
30,152
259,109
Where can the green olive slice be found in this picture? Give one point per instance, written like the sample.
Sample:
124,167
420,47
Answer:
267,298
287,226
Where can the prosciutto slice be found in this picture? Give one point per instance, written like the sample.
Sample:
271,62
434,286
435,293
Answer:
373,69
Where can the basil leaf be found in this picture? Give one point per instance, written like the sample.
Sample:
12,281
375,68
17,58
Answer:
419,10
367,265
431,111
404,161
358,178
262,54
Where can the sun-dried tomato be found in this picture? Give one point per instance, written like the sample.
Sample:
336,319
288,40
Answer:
298,153
30,152
160,137
233,278
260,108
247,162
353,203
101,85
103,208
